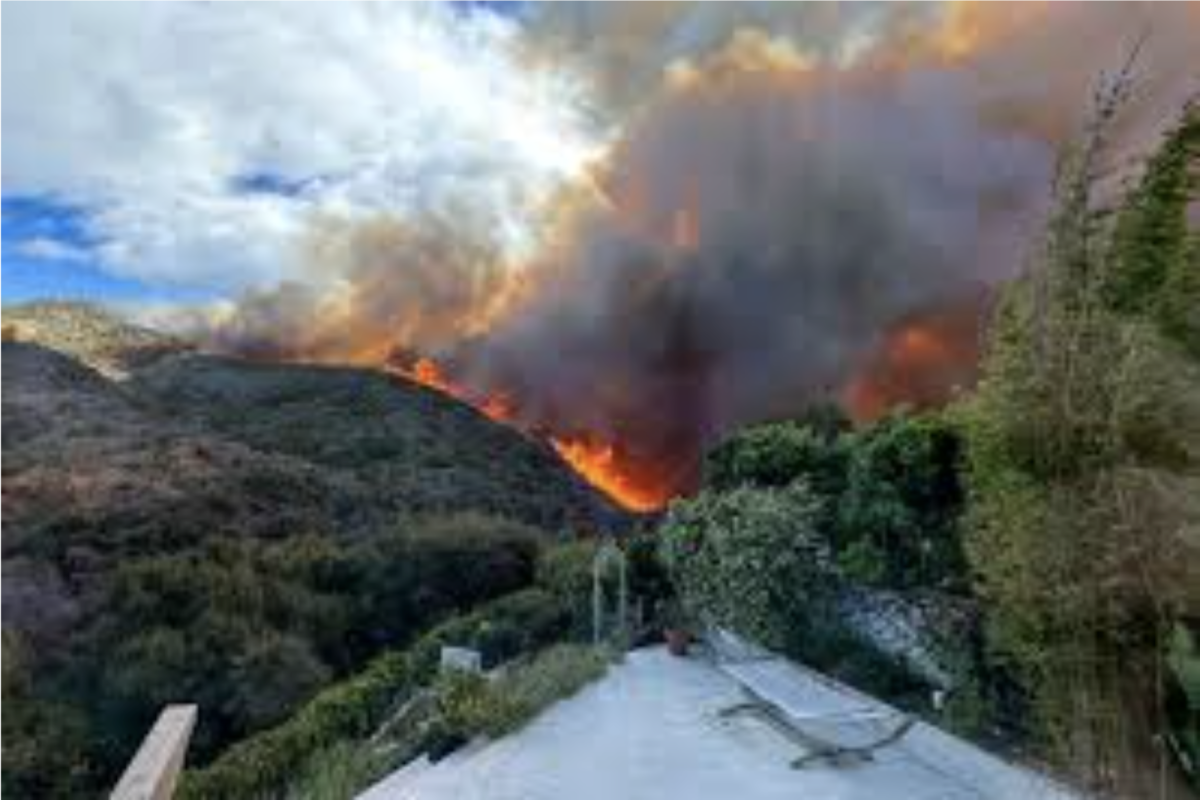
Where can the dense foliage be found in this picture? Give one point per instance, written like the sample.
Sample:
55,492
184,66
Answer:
890,493
898,521
1084,442
262,765
749,559
413,449
248,630
888,509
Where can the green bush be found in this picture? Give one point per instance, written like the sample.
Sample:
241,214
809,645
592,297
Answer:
432,566
566,571
891,495
470,705
750,559
262,765
902,503
250,629
779,453
45,744
863,562
340,772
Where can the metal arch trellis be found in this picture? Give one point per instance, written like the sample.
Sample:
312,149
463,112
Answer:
610,559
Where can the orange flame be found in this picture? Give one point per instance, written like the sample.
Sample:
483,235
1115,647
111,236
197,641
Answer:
427,373
599,465
685,230
596,462
923,362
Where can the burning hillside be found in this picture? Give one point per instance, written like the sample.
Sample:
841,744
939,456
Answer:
773,224
635,485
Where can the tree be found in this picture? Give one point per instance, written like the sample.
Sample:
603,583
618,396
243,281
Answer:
1155,256
1084,460
775,454
898,520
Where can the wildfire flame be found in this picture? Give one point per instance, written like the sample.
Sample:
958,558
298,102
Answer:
600,466
596,462
923,362
426,372
685,230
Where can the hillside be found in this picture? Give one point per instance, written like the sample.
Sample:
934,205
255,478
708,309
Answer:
99,338
415,448
178,524
91,479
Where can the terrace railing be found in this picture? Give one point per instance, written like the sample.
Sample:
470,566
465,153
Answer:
155,769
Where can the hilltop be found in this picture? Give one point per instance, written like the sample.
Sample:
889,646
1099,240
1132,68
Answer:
96,336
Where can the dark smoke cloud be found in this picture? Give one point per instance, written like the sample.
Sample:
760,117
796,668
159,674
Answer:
767,217
812,217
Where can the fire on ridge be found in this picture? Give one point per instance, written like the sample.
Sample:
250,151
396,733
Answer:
921,362
599,463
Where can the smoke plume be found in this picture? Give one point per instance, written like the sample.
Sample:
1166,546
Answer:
793,206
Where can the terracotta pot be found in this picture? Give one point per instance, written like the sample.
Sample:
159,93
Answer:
677,641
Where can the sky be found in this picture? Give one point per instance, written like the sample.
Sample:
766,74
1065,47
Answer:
196,152
189,148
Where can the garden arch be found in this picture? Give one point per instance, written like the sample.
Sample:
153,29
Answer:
608,567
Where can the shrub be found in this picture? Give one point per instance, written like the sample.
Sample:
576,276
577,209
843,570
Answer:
749,559
340,772
861,561
434,565
45,745
778,454
262,764
566,571
1084,447
891,495
471,705
902,504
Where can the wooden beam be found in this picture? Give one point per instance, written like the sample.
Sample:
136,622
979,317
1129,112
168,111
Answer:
155,769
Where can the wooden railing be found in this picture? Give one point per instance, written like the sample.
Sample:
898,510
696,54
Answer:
155,769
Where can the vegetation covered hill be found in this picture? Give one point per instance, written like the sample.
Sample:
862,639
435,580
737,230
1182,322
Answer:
97,337
415,449
186,527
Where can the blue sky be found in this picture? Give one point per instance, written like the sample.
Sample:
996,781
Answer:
33,268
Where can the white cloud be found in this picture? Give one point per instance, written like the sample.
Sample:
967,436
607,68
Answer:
147,116
44,249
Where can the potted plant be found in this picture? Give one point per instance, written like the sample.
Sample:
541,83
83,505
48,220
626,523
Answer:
675,629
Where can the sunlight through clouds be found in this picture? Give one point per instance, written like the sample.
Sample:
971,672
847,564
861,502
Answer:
202,140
